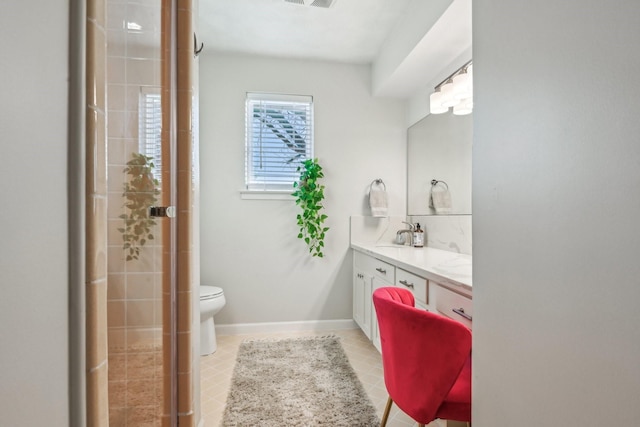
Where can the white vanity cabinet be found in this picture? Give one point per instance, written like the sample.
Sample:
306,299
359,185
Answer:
416,284
369,274
361,295
433,289
451,304
443,295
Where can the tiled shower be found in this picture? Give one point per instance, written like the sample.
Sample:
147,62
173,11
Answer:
134,290
134,331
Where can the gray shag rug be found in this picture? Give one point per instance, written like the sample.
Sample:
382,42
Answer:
296,382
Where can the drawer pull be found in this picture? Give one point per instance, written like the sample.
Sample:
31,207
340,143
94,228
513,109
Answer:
381,270
407,284
460,311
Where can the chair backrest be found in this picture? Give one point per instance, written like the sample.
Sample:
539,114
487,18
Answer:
423,353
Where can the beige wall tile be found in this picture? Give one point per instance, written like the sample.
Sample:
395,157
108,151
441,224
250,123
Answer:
131,124
185,396
116,45
145,263
96,258
117,117
184,271
139,313
116,313
96,49
96,321
116,286
113,235
97,12
116,152
116,179
138,336
141,286
96,154
115,259
184,312
187,420
142,71
116,338
98,397
184,347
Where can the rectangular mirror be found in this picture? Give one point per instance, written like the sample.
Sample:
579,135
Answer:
439,147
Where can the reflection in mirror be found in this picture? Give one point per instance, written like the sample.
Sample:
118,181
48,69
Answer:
439,147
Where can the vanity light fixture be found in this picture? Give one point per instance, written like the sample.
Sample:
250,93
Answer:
455,91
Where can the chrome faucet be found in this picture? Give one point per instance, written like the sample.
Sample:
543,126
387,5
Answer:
400,239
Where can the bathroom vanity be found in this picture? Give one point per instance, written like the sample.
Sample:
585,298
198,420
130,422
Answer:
439,280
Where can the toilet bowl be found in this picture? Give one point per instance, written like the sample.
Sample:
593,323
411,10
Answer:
211,302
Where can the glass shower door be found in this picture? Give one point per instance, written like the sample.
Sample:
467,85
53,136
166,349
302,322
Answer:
141,340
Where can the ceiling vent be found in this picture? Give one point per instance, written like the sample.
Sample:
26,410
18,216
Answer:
315,3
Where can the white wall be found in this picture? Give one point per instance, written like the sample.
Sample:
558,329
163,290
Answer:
556,213
33,214
249,247
404,46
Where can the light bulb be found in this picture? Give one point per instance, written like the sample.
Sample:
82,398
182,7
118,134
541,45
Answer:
448,99
464,107
462,86
435,103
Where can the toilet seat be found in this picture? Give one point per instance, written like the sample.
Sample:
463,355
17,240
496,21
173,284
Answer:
209,292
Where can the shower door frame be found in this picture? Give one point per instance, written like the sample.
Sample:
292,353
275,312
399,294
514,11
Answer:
87,321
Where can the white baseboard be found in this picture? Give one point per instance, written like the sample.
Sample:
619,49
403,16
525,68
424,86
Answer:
272,327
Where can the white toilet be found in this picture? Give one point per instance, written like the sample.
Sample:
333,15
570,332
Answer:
211,302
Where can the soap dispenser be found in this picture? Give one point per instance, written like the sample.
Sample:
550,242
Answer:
418,237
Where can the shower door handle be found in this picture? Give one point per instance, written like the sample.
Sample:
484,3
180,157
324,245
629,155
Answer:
162,211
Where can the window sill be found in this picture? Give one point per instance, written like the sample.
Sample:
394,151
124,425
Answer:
266,194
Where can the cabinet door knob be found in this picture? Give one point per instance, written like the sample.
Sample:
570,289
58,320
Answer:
381,270
460,312
407,284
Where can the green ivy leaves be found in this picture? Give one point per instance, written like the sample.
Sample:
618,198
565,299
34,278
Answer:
140,193
309,195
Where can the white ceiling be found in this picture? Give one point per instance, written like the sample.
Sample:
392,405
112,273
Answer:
410,40
349,31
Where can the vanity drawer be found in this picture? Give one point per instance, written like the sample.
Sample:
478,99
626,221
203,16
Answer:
451,304
375,267
416,284
384,271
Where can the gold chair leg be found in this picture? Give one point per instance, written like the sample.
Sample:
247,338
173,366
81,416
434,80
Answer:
387,409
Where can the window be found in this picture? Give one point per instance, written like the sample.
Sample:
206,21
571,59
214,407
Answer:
279,135
149,128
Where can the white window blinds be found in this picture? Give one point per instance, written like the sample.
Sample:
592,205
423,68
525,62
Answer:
279,135
150,127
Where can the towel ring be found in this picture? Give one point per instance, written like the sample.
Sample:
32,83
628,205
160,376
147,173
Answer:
378,181
436,182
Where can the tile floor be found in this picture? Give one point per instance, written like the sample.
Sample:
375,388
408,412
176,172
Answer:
216,371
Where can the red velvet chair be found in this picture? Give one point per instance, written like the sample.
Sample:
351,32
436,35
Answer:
426,359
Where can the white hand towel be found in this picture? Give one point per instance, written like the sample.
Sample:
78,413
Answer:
440,200
378,201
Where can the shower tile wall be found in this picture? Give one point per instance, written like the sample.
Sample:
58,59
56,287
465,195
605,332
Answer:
134,290
133,68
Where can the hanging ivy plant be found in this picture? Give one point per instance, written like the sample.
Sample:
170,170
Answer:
140,193
309,194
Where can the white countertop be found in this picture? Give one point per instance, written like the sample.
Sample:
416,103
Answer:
447,268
